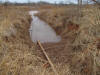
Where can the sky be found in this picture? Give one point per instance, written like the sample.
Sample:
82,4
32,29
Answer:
51,1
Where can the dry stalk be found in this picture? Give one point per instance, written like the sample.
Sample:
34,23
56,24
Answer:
50,62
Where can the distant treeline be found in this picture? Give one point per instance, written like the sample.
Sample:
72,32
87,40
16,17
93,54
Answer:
33,3
46,3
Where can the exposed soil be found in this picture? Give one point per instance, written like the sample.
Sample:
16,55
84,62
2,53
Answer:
56,51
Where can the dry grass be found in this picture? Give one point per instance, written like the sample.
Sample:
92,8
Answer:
90,29
16,48
17,52
18,55
84,33
59,17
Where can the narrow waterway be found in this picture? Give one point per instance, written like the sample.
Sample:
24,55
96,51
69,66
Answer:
41,31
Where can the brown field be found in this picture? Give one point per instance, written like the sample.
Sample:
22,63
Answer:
77,54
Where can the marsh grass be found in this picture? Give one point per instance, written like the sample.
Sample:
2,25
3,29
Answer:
85,39
17,52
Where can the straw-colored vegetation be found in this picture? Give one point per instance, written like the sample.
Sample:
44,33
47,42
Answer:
19,56
16,48
84,31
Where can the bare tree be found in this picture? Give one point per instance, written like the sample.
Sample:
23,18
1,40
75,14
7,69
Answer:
96,1
79,8
86,2
79,2
0,1
29,1
6,3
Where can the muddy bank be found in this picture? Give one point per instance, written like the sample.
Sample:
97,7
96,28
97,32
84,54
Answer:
59,18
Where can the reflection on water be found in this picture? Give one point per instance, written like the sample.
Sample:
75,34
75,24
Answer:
39,30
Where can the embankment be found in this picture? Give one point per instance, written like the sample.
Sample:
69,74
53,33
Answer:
83,30
16,48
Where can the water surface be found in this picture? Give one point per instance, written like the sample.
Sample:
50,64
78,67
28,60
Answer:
41,31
